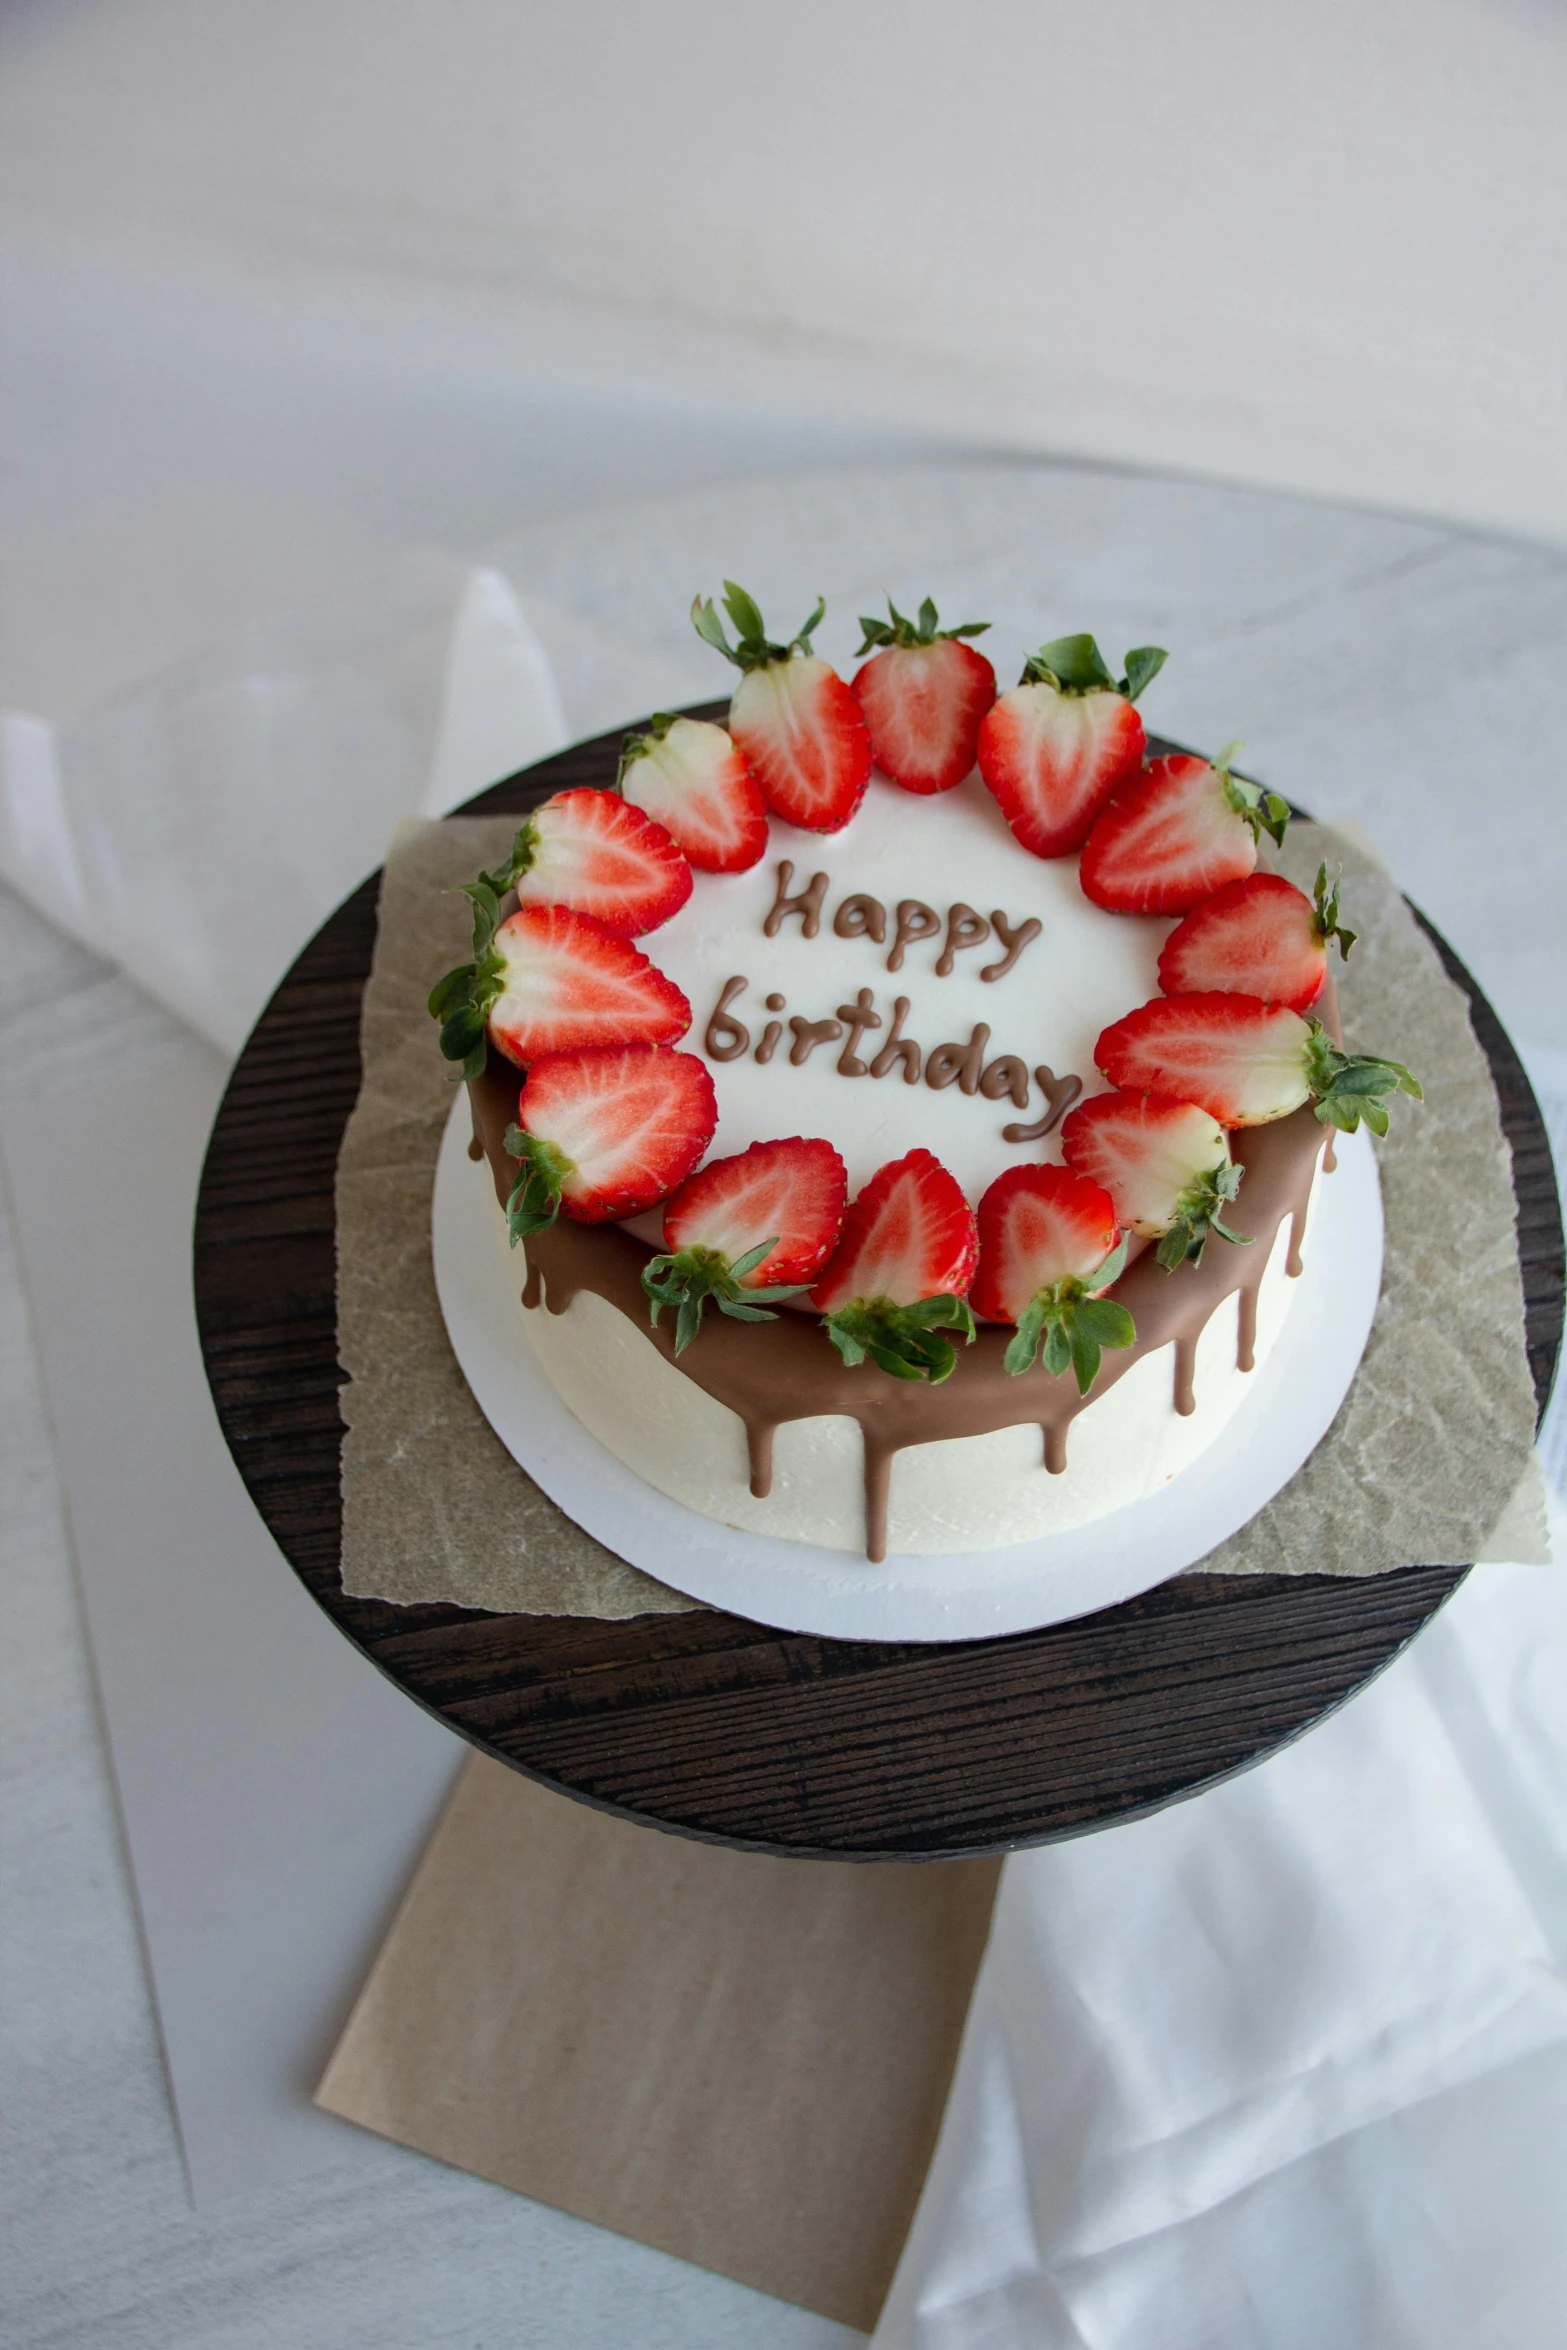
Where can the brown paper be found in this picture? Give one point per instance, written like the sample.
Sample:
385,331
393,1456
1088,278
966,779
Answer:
434,1506
1429,1451
740,2060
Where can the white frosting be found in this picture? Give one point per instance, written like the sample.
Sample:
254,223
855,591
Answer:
961,1493
1085,969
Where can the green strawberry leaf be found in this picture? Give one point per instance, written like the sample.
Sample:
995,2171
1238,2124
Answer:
637,746
534,1201
1347,1085
906,1341
1073,1324
686,1281
1263,810
1199,1216
899,630
1325,921
1143,665
753,648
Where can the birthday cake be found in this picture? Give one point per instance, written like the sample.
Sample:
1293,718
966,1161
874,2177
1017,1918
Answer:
909,1097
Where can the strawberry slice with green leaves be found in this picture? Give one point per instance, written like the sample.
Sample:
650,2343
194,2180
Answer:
1166,1165
1049,1243
922,697
589,850
547,979
798,726
605,1131
1178,832
1054,749
748,1232
1248,1062
692,777
896,1279
1262,937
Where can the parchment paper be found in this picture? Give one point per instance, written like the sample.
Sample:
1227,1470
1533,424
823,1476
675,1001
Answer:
739,2059
1429,1462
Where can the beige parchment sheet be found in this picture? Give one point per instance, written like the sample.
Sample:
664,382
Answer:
739,2059
1429,1461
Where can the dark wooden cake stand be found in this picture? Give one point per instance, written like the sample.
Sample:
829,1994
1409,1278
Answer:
710,1725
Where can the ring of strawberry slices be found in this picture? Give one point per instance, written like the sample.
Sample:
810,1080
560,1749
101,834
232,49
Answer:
613,1119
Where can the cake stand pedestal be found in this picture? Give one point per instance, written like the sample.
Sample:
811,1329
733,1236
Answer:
707,1724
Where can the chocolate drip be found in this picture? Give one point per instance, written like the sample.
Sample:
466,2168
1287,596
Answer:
1246,1330
770,1372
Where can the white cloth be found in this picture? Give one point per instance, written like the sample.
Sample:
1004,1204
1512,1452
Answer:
197,830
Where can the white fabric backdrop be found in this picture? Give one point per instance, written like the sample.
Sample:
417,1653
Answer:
1320,248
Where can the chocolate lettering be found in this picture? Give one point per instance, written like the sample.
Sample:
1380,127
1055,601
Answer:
1013,940
899,1047
859,1015
808,1034
1060,1093
726,1038
965,928
769,1044
776,1003
807,903
1006,1075
915,921
959,1064
861,917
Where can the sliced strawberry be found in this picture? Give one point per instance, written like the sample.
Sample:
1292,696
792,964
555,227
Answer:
1054,748
1174,835
795,720
762,1223
1048,1243
896,1278
562,979
691,776
605,1131
1247,1062
588,850
922,698
1166,1165
1260,937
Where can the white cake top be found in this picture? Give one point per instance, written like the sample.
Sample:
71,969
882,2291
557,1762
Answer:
1083,969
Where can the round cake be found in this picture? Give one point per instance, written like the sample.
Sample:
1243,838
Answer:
908,1099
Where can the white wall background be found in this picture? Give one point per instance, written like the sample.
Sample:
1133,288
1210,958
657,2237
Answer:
1319,247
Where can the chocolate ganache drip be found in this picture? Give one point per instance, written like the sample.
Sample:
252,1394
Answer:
771,1372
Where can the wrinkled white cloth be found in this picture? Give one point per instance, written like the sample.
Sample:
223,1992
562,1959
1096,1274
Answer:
1281,2067
198,829
1286,2065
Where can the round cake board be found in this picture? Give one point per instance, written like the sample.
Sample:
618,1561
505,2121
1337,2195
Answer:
960,1595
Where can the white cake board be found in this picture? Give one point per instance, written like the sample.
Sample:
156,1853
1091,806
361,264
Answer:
955,1595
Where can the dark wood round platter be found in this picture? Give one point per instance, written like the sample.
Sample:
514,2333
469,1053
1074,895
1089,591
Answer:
704,1723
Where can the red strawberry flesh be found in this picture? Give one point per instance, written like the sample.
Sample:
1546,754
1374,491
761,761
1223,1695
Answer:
1166,841
628,1123
1257,937
802,736
570,980
922,706
1051,761
594,853
1146,1151
1038,1226
1243,1061
693,778
908,1236
792,1191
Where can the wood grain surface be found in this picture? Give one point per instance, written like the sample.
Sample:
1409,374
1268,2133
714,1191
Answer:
704,1723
